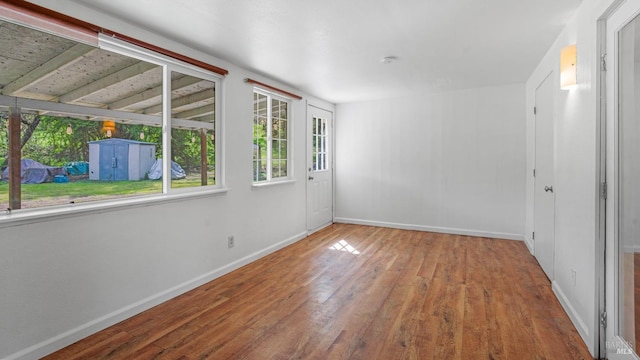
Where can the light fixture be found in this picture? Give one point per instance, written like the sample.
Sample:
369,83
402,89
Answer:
69,130
388,59
142,135
568,65
109,126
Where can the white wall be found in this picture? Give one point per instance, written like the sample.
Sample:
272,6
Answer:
66,277
448,162
576,171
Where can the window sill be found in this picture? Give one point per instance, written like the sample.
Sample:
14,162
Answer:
26,216
272,183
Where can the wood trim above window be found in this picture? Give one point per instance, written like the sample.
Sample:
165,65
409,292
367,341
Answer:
169,53
37,16
273,88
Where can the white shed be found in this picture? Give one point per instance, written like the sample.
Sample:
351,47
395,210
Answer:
120,159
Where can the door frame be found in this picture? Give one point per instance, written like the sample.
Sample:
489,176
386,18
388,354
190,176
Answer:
607,246
332,155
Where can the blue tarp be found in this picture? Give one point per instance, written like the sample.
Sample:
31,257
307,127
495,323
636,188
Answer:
33,172
77,168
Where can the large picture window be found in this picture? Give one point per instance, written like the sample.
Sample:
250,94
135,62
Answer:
84,123
270,137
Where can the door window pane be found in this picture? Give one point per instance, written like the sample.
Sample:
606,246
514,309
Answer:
319,139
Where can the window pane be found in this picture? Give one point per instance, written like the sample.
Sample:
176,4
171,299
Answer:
192,131
260,133
283,149
275,169
85,130
270,133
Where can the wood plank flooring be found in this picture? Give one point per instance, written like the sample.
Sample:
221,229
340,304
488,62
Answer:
358,292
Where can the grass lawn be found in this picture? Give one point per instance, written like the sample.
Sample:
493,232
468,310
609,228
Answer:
48,194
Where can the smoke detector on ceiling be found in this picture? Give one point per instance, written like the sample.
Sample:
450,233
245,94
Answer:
388,59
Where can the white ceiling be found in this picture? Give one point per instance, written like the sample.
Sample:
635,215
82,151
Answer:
333,49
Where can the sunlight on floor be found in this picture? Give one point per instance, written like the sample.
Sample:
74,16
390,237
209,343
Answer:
342,245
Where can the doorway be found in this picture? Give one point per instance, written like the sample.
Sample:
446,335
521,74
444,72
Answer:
319,168
544,197
622,209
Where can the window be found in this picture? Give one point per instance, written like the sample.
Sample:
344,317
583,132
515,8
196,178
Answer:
88,121
192,131
319,150
270,137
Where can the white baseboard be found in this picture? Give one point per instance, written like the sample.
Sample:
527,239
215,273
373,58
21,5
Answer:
444,230
67,338
530,244
577,321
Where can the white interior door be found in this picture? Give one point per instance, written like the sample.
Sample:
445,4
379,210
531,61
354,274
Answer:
622,239
319,168
544,198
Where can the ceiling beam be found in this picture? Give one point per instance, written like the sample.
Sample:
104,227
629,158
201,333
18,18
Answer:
98,114
152,92
203,110
191,124
111,79
46,69
183,101
80,111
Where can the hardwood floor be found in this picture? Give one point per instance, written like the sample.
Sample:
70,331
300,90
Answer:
358,292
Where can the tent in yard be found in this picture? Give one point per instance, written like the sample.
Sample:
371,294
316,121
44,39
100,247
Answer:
33,172
155,173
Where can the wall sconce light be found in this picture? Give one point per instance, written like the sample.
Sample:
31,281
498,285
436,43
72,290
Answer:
109,126
568,65
69,130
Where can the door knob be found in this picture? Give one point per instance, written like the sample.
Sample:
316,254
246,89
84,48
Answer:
548,188
310,177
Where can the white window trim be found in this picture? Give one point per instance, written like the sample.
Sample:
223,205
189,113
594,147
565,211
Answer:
24,216
170,65
278,181
29,216
284,179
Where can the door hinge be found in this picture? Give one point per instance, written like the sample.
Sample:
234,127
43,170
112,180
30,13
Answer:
603,319
603,190
534,172
535,110
603,62
533,235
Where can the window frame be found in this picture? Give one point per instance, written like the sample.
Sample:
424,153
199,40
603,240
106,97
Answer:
168,64
270,179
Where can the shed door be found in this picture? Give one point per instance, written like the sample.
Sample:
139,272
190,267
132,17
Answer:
114,162
121,171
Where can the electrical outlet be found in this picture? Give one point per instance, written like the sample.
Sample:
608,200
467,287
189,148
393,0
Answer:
573,277
231,242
